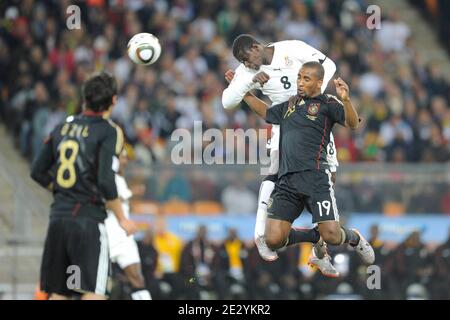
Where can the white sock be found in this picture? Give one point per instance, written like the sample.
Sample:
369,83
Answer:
141,295
261,214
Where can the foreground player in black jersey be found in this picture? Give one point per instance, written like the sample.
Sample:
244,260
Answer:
78,162
304,178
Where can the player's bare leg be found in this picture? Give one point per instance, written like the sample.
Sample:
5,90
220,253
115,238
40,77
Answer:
277,233
134,275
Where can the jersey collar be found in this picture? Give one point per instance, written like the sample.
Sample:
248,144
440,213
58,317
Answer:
274,57
321,97
90,113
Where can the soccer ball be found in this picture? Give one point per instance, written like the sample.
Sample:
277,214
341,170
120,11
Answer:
144,48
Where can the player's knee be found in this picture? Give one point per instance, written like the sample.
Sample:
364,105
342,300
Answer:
274,241
331,235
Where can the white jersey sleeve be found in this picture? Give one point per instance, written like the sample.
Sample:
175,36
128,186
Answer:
239,86
303,52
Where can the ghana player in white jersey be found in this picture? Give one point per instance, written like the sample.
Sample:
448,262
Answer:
123,249
273,69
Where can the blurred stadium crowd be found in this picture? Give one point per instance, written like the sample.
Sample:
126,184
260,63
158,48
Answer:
233,269
403,100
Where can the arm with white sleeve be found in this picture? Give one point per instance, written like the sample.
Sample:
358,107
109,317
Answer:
241,84
304,53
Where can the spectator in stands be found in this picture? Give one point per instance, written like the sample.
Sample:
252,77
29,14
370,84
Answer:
238,199
197,259
149,261
169,247
440,281
408,264
394,33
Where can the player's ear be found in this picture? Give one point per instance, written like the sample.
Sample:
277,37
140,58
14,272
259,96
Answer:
114,99
255,46
320,83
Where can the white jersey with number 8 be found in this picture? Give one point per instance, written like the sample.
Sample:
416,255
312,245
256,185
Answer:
287,60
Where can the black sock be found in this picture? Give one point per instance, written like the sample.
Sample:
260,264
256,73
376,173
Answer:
308,235
351,237
320,249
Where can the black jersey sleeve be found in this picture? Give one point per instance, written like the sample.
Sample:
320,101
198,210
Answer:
40,168
110,147
335,110
274,114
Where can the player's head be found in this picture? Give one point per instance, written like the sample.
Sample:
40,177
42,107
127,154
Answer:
247,50
99,92
310,79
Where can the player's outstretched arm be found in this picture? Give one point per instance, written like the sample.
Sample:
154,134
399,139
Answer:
256,104
351,115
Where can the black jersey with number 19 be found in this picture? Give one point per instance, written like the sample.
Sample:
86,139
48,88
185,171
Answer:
79,160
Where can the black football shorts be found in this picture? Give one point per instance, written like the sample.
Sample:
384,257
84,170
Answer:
311,189
76,257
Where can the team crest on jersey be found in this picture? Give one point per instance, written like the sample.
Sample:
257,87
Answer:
313,110
287,61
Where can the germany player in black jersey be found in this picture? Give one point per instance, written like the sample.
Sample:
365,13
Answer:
78,162
304,178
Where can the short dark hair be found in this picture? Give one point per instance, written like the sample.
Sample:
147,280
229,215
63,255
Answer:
320,71
242,43
98,91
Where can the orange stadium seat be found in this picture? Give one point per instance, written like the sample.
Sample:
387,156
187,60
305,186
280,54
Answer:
207,208
176,207
393,208
144,207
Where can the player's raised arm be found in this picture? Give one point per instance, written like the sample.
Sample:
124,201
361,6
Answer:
256,104
240,84
351,115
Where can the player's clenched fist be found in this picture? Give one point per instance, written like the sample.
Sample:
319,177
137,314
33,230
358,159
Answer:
342,90
261,78
129,226
229,75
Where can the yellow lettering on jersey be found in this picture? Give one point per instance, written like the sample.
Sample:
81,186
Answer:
65,129
79,130
73,130
85,132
